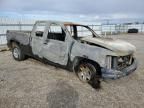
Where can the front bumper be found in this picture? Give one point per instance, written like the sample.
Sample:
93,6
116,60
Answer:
115,74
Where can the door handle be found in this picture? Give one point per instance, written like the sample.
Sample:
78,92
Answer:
46,42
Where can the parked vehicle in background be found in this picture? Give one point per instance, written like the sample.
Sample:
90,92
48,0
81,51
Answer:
133,30
76,47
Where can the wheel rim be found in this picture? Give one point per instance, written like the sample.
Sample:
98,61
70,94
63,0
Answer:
16,52
84,73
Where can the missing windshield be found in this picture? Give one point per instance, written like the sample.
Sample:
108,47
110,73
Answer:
79,31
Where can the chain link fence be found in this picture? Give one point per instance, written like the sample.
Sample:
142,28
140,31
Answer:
105,30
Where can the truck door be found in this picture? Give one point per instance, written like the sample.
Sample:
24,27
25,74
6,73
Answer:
55,47
38,33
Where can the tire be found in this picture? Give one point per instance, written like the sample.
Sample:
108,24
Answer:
93,77
17,53
86,72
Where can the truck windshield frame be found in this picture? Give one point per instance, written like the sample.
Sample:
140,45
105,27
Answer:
74,31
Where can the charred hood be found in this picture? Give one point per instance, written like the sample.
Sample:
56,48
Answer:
118,46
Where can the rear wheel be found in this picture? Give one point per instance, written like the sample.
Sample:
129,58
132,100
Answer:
17,53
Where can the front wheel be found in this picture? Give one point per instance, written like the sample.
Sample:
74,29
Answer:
86,72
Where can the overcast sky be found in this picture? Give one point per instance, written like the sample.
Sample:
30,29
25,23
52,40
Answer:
73,9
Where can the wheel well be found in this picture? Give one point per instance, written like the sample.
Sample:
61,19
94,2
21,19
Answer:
82,60
12,43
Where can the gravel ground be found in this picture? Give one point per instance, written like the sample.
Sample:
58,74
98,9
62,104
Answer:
32,84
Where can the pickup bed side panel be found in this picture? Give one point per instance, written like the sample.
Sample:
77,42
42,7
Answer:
23,37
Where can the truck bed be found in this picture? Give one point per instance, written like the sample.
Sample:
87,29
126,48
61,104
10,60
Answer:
22,37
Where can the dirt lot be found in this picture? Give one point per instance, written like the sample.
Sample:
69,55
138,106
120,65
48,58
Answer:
32,84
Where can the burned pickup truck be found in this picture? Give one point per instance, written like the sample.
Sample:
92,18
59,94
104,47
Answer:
76,47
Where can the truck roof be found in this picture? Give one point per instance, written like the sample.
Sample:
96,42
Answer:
70,23
65,23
